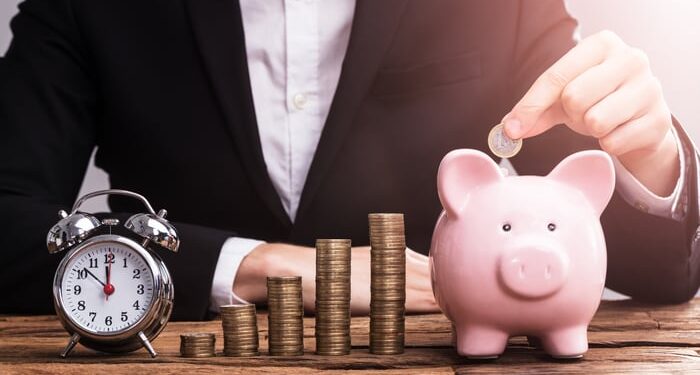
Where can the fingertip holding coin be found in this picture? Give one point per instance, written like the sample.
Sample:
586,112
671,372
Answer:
513,128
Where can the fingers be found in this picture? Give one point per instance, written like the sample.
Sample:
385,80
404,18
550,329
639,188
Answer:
628,103
643,133
410,254
553,116
360,279
417,267
419,291
419,296
598,82
548,88
422,306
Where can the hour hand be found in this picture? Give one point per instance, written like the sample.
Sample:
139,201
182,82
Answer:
94,277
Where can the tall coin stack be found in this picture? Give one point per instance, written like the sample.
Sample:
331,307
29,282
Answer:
333,296
195,345
286,315
240,326
388,283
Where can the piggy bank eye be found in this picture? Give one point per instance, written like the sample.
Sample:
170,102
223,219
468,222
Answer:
552,227
506,227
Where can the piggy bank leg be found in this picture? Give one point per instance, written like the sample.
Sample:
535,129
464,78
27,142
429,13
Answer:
571,342
480,342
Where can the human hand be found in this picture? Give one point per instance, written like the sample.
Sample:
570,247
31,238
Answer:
282,259
419,292
605,89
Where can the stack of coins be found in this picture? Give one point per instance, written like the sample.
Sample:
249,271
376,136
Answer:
286,315
333,296
197,345
240,325
388,283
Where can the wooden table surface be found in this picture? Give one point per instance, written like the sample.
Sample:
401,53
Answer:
625,336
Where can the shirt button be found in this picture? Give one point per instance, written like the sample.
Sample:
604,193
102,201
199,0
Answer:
299,101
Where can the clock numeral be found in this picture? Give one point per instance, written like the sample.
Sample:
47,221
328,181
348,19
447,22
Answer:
93,262
137,273
136,305
124,262
124,316
77,289
81,305
109,258
82,274
108,320
139,289
93,315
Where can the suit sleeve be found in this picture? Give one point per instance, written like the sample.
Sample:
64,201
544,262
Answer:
49,125
650,258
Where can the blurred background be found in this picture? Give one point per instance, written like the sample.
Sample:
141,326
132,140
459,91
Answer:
668,30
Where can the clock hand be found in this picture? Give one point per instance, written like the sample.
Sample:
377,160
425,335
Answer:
93,276
108,287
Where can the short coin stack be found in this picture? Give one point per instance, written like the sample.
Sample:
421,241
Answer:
240,325
388,283
286,315
197,345
333,296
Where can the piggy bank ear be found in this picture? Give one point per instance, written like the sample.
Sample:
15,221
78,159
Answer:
592,172
460,172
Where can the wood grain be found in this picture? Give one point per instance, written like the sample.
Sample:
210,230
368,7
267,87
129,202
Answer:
625,336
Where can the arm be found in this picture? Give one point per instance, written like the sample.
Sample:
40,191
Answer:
48,128
659,262
649,257
234,250
276,259
638,195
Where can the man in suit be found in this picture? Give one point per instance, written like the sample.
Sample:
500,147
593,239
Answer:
263,125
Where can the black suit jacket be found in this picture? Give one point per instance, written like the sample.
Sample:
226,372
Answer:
161,87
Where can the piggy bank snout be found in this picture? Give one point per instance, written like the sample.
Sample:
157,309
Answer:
533,271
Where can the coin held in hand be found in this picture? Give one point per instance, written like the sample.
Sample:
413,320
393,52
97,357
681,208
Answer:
501,145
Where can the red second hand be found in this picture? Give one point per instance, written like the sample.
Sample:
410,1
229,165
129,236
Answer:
109,288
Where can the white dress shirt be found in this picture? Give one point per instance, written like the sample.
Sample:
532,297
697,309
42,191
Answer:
295,50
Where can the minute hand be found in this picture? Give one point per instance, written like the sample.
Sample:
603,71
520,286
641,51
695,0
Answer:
94,277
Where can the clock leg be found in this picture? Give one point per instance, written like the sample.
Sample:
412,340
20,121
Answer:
147,345
71,344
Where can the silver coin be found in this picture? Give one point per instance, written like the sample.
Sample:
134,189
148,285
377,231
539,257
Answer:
501,145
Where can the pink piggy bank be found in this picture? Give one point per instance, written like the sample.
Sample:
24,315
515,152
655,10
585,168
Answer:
520,255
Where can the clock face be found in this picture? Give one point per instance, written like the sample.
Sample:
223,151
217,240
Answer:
107,287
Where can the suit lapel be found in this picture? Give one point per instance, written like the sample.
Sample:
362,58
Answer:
218,30
373,28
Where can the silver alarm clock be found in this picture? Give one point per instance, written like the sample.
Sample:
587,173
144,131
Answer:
112,292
